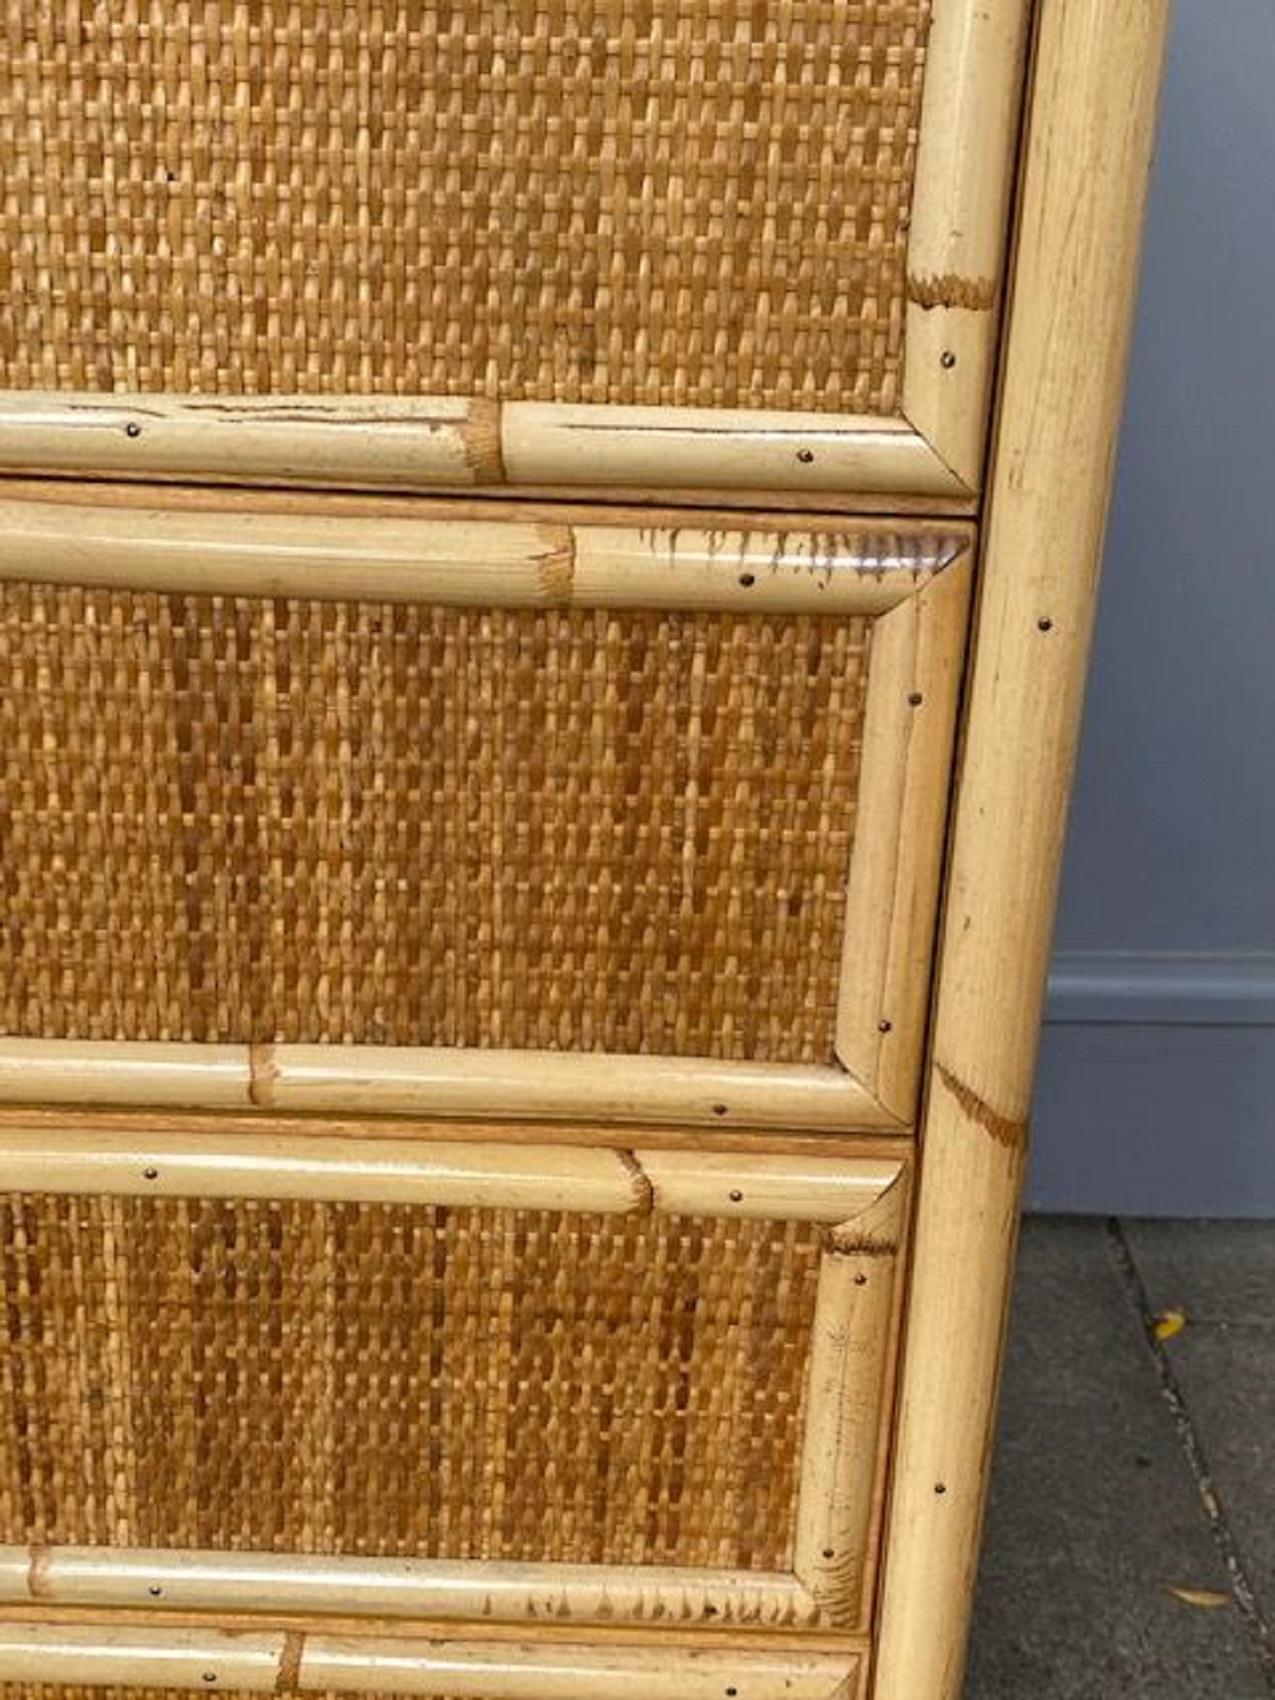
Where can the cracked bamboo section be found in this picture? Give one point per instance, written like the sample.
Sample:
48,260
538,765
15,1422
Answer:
857,1206
1088,149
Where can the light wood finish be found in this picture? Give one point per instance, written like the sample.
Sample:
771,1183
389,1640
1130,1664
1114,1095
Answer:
1088,150
699,1183
375,1081
52,1071
387,443
149,1122
496,1177
847,1391
892,895
173,1580
960,217
474,1671
436,1081
484,1176
498,562
383,441
105,1655
547,443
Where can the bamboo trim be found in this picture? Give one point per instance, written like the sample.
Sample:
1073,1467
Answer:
169,1580
892,894
396,443
767,1188
852,1328
390,441
104,1655
491,562
960,215
854,1313
35,1071
545,1084
554,443
483,1175
1094,96
436,1081
369,1130
478,1671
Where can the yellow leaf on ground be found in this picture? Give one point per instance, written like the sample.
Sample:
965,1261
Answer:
1208,1598
1169,1323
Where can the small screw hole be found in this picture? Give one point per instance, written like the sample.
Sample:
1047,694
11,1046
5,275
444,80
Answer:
828,1552
861,1280
732,1691
885,1027
748,580
150,1174
940,1487
1045,624
805,456
737,1197
719,1109
155,1592
947,360
915,699
132,429
210,1676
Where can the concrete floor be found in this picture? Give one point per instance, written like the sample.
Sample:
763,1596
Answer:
1128,1468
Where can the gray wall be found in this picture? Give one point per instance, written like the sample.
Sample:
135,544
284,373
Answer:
1157,1085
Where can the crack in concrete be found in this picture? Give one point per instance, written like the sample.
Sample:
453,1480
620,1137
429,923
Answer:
1243,1591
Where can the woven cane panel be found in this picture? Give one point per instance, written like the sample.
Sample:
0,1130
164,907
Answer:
682,202
249,821
403,1381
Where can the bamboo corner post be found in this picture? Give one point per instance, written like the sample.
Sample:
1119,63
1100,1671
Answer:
1083,192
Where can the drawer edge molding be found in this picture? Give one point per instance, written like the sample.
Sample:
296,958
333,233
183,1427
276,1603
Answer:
464,1669
429,442
167,1579
437,1081
838,1192
155,542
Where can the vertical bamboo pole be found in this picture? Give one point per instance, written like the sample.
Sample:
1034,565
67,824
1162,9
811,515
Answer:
1089,143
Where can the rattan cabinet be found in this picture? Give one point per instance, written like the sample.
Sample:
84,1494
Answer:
546,560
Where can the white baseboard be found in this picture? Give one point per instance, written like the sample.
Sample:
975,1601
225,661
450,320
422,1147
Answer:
1163,988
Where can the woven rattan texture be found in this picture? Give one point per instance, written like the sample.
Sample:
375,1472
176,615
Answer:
694,202
403,1380
249,821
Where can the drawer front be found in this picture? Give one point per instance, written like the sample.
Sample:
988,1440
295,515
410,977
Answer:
443,1380
501,816
772,236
